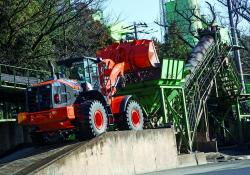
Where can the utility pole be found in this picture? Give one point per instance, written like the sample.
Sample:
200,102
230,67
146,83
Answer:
135,30
163,20
237,58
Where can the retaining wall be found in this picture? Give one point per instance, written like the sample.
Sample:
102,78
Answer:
11,136
123,153
118,153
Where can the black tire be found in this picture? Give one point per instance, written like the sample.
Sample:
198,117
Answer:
37,139
133,118
92,119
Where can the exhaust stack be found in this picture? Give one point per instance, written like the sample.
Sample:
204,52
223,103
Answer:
52,70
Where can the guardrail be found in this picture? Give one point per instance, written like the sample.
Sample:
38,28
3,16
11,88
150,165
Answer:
19,77
13,78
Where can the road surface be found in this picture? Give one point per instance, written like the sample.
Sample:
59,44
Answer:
29,159
236,167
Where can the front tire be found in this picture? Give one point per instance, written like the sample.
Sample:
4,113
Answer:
92,119
133,118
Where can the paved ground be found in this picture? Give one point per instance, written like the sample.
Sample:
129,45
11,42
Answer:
230,161
237,167
27,160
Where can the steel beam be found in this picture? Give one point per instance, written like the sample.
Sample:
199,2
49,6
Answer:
237,58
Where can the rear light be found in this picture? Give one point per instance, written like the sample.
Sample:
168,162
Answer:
57,98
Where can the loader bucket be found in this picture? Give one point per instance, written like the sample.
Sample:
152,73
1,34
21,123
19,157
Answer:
138,54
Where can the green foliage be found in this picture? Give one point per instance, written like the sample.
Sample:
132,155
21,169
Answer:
81,38
34,31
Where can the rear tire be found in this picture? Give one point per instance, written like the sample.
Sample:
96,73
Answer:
133,118
92,119
37,139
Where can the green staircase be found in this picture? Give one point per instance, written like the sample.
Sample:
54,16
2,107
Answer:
229,83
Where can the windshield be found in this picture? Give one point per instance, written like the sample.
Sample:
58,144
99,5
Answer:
84,71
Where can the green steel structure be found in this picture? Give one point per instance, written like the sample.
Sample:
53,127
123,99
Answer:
13,82
180,93
186,8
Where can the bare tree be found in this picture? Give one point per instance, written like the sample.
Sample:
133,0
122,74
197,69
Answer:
241,7
191,16
241,14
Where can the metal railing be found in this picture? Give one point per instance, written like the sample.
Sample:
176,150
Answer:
11,78
20,77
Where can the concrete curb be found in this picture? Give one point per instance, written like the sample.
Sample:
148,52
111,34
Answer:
194,159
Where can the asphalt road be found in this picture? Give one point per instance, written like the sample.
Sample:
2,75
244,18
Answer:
238,167
27,160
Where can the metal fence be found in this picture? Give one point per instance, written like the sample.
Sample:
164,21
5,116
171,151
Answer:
20,77
12,79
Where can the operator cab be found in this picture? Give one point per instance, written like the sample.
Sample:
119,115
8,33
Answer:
58,91
83,69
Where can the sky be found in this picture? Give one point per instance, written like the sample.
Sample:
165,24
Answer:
147,11
131,11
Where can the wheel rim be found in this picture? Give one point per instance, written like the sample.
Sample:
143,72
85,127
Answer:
98,118
135,118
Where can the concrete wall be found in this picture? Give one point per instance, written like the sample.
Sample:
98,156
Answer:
12,135
118,153
186,160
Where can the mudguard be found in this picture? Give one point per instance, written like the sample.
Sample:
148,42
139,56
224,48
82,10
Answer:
119,104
